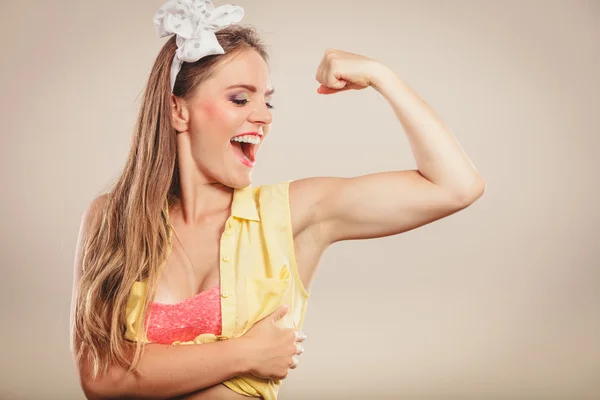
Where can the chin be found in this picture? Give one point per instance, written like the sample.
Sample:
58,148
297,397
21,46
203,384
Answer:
236,175
238,182
240,186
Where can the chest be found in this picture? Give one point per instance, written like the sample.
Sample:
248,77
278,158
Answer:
192,266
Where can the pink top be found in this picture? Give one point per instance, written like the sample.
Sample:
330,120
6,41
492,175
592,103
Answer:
168,323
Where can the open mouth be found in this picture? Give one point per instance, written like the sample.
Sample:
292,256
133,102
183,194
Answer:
245,148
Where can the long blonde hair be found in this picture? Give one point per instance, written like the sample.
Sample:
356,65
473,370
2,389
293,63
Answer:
131,240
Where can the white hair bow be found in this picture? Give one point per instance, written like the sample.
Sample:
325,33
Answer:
195,23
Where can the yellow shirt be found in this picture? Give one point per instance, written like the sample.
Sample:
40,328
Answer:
258,273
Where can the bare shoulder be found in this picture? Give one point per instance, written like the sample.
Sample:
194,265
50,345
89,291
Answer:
305,196
310,230
302,204
93,212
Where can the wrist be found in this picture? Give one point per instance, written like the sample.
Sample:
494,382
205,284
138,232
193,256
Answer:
382,77
243,360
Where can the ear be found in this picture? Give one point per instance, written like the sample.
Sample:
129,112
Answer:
179,114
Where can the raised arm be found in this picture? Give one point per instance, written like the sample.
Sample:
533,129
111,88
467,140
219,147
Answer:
386,203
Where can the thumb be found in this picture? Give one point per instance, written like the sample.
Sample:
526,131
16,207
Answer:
337,84
327,90
280,312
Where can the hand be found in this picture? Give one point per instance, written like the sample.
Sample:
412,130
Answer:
273,349
341,71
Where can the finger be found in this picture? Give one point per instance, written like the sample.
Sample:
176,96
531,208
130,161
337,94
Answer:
299,349
294,363
327,77
321,75
300,337
332,82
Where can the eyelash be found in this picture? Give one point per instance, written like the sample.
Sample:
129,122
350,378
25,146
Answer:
241,102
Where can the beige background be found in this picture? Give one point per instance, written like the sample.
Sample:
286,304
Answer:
500,301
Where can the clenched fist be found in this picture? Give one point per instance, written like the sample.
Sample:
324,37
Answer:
339,71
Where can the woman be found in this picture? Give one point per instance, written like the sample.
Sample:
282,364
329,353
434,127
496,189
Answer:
189,282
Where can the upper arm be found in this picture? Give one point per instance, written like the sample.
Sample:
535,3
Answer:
375,205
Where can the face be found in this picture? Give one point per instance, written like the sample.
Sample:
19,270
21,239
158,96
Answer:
226,120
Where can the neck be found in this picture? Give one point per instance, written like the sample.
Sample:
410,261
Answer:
199,196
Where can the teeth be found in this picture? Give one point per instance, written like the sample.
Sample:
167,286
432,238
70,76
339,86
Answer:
247,139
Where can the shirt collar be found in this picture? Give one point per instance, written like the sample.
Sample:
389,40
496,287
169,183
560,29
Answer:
244,205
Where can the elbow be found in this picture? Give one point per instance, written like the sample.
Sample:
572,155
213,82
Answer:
102,387
472,192
96,389
93,389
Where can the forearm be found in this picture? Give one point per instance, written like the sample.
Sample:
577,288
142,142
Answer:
169,371
438,155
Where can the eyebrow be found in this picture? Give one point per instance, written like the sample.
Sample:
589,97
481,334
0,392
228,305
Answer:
251,88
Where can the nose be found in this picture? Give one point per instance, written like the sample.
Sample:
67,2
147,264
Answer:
261,115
